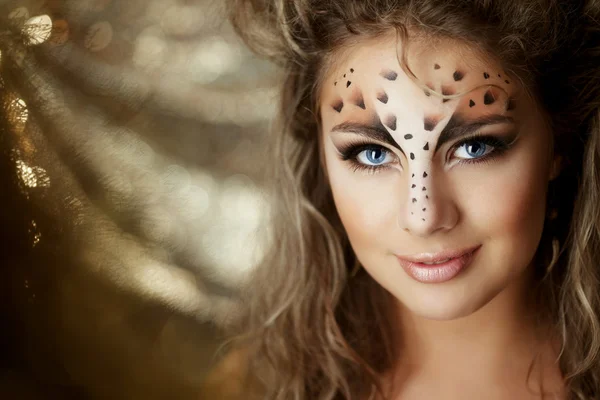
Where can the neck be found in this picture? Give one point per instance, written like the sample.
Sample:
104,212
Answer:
500,339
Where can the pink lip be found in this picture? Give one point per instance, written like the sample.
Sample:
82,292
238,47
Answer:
437,273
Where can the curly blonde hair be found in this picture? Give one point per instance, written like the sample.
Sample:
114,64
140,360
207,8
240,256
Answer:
314,333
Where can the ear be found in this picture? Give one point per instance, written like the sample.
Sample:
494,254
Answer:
556,167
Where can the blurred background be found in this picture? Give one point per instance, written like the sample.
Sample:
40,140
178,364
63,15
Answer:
131,198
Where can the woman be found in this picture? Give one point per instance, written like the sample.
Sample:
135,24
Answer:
436,234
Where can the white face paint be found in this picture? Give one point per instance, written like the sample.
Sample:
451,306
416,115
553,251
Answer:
406,183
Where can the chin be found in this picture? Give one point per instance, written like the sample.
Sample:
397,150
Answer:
439,312
446,302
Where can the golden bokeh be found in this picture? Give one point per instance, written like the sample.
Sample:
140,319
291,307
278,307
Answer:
132,134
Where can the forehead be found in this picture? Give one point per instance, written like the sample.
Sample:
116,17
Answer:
368,73
421,52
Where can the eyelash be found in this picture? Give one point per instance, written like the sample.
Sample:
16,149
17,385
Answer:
500,147
350,151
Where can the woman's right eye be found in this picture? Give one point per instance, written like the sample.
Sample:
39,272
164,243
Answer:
375,156
368,157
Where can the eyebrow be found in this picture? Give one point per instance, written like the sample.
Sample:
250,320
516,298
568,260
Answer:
456,128
374,131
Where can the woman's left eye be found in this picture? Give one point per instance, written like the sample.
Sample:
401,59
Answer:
473,149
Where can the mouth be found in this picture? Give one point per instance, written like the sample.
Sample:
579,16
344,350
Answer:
438,267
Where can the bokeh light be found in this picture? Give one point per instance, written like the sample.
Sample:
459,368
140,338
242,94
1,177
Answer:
148,118
213,58
37,29
151,49
98,36
32,176
17,112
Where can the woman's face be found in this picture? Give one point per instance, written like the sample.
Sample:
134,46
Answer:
419,179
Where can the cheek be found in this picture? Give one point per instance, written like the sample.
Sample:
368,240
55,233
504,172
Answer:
510,205
365,203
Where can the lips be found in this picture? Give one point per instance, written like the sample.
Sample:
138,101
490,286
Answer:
438,267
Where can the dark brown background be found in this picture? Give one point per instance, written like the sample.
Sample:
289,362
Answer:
131,138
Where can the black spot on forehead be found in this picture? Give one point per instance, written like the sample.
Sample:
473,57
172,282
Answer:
436,66
488,98
414,200
390,122
429,123
360,102
458,75
424,189
348,84
338,105
351,70
507,82
389,75
426,147
424,174
471,103
408,136
413,186
447,91
412,156
511,104
486,75
382,97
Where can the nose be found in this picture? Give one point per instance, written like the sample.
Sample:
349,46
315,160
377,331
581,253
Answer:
430,206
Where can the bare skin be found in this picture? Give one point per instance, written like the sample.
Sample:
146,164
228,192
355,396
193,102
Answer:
405,182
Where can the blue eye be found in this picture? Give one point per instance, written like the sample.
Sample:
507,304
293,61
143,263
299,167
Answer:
373,156
364,156
473,149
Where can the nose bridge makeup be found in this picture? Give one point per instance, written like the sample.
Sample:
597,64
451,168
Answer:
412,119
